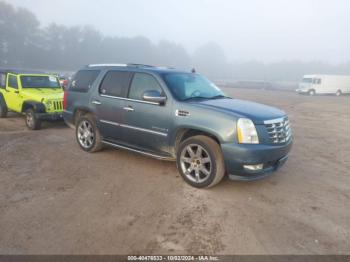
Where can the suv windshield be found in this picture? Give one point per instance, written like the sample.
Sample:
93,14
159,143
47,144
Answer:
40,82
186,86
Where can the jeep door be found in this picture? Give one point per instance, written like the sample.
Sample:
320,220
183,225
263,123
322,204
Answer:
109,102
146,124
12,96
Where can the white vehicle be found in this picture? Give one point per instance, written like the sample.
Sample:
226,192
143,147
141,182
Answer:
324,84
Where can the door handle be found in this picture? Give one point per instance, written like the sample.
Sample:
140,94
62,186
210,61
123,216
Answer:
128,108
96,102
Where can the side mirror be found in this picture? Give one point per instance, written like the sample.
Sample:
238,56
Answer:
154,96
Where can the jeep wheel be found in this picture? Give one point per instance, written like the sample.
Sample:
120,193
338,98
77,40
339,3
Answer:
32,121
87,134
200,161
3,110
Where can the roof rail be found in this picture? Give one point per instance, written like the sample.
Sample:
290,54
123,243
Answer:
95,65
139,65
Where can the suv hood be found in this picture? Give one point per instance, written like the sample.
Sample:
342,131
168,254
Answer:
43,93
258,113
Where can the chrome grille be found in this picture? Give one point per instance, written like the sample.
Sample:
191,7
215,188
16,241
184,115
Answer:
57,105
279,130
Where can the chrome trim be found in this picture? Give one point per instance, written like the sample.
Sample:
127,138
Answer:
128,99
138,151
179,112
134,128
128,108
110,122
279,130
68,112
96,102
144,130
276,120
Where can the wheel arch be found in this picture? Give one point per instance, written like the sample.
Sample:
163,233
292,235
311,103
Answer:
80,111
37,106
183,133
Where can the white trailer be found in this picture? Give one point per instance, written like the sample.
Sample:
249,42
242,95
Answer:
324,84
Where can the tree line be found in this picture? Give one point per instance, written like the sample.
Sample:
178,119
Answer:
24,43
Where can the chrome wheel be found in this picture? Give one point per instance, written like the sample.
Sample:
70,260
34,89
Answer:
85,134
30,119
196,163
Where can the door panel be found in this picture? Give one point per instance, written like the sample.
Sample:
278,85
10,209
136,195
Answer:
109,103
146,125
12,96
109,111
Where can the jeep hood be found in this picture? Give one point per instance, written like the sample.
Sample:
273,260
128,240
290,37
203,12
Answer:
258,113
42,93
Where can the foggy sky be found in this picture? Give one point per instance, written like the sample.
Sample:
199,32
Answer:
262,30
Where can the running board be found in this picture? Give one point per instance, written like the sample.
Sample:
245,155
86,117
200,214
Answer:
139,151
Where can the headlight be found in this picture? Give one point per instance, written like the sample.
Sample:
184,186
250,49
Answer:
246,132
48,104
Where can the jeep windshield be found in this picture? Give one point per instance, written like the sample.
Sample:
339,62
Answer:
188,86
34,81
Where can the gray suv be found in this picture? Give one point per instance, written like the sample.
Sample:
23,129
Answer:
176,115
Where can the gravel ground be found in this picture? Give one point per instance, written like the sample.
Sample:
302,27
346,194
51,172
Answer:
56,199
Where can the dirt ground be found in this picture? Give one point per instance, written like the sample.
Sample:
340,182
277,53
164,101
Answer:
56,199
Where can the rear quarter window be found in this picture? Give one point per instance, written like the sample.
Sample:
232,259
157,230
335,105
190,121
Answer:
83,80
115,83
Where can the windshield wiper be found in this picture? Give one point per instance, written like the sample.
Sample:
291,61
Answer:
219,96
196,97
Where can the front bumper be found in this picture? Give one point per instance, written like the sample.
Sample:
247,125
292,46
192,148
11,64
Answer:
50,116
302,91
237,155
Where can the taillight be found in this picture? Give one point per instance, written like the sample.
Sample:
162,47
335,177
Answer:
65,99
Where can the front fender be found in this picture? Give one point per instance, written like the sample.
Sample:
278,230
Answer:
37,106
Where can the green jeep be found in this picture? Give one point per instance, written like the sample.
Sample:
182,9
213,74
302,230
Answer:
38,96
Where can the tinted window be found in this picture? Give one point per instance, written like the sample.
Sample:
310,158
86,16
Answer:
13,81
2,80
142,83
83,80
115,83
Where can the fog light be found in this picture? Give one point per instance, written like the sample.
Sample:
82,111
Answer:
254,167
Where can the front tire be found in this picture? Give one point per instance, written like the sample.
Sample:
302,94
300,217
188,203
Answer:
200,161
312,92
32,121
87,134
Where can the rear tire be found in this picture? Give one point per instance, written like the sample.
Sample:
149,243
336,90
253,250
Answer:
200,161
3,109
338,93
87,134
32,121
